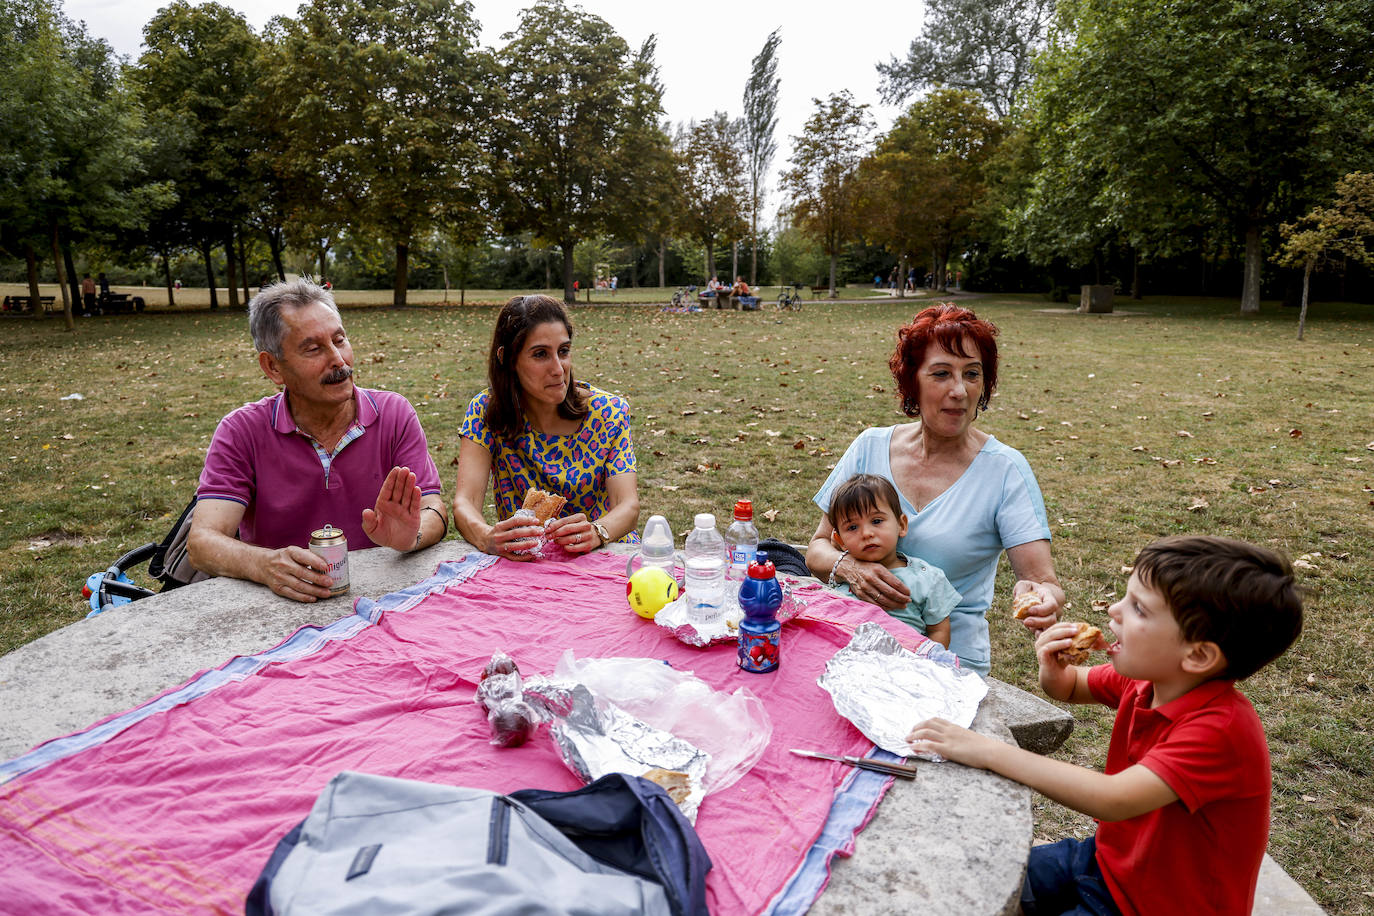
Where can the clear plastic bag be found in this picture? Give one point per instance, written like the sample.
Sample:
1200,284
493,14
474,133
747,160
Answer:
734,728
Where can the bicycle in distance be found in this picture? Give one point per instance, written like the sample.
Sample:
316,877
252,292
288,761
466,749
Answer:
685,296
790,299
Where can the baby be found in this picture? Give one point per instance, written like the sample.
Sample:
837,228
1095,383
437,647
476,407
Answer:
867,519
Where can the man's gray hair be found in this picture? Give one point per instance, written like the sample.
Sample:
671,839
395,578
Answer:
264,312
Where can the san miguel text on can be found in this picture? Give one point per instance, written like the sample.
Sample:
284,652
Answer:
329,542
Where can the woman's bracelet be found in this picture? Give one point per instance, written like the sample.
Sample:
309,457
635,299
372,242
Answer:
834,569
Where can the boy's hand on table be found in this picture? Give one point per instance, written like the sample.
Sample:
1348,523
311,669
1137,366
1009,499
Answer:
953,742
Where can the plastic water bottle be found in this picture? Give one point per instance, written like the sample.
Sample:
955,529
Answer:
742,539
705,563
760,633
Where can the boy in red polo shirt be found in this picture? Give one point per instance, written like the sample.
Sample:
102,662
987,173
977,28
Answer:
1183,804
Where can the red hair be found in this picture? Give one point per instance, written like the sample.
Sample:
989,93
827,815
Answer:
949,327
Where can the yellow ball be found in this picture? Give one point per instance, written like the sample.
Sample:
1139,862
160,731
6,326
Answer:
648,590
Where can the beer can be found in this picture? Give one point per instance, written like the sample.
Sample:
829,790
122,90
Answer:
329,542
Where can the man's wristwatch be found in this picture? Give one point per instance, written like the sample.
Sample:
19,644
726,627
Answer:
602,533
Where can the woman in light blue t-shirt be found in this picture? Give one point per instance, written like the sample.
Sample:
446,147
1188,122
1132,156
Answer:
967,497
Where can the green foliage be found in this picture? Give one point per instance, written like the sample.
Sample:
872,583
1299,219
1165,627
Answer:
1157,117
921,187
711,174
976,45
758,126
825,161
580,109
389,106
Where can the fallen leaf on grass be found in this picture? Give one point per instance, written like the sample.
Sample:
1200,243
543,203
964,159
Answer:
1101,604
1303,564
800,443
1255,489
1370,446
1199,503
668,486
771,515
1204,461
1171,462
1184,434
1309,798
1138,448
1295,434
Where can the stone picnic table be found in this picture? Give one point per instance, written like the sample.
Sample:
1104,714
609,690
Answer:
953,841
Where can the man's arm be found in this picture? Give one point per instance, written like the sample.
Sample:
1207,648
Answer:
292,572
1130,793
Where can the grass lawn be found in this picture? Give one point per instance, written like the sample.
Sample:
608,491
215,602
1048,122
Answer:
1174,416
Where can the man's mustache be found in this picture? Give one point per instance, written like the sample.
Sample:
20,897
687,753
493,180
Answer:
338,375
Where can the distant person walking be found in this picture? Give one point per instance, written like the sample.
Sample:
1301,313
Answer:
87,296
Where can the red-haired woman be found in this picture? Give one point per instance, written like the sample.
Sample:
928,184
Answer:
967,497
534,427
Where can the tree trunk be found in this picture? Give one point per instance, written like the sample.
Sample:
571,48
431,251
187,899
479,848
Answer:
61,275
209,274
568,295
710,259
35,296
662,255
901,277
274,244
734,260
324,263
72,283
167,276
548,271
445,283
243,272
834,264
231,269
754,243
1254,256
398,287
1302,315
1135,274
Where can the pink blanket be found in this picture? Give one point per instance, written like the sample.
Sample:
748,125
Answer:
180,811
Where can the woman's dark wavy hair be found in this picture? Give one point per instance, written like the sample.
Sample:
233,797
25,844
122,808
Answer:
505,416
947,326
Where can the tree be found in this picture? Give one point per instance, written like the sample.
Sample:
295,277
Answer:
825,160
576,114
984,46
199,66
711,175
760,146
72,140
389,107
921,188
1160,118
1343,230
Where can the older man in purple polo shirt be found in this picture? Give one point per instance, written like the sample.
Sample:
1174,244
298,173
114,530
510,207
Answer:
321,451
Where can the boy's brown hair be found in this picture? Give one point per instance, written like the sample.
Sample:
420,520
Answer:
859,494
1238,595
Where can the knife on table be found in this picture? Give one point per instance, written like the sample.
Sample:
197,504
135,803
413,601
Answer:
904,770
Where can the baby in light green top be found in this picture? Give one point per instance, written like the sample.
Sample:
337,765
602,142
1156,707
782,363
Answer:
867,521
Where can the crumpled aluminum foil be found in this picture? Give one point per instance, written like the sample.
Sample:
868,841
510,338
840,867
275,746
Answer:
885,689
725,627
595,737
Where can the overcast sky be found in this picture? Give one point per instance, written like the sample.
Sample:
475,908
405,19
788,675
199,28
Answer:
705,48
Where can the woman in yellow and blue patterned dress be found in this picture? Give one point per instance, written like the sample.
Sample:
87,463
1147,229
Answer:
535,427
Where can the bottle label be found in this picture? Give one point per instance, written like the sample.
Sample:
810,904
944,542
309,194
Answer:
759,651
743,555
